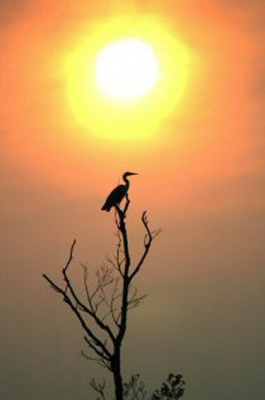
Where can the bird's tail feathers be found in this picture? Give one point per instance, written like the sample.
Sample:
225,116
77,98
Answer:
106,208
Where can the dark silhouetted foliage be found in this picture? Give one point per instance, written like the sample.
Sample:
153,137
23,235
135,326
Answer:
171,389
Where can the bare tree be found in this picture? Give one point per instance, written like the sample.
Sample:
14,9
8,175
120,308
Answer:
102,307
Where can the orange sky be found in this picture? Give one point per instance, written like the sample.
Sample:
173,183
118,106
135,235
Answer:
201,174
207,138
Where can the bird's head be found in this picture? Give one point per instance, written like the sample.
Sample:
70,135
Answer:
128,174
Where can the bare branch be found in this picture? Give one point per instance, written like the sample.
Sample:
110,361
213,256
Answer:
135,300
80,304
93,343
98,387
75,309
85,277
98,360
148,239
70,256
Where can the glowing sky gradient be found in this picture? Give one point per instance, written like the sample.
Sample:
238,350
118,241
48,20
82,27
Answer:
201,178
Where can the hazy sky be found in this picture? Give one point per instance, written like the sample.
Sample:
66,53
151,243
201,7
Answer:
201,179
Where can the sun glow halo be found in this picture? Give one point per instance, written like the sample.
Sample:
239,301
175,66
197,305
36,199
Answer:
127,69
125,77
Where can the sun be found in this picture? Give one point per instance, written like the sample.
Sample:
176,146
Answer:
125,77
127,69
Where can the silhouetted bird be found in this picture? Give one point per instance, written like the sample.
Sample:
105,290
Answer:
117,194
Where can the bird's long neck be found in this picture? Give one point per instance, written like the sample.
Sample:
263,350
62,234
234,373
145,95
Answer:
127,182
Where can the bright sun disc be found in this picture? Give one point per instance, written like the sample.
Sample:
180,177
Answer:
127,69
125,77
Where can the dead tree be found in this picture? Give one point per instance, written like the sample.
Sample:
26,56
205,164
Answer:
102,308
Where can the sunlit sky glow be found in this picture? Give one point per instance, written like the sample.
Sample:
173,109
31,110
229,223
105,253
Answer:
134,119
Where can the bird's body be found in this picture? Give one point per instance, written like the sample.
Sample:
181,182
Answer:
117,195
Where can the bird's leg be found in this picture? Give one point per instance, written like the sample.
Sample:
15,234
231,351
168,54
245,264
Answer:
126,204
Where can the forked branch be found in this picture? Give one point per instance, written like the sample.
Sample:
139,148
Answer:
148,240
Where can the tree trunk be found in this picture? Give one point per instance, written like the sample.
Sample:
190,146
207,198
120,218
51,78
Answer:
116,370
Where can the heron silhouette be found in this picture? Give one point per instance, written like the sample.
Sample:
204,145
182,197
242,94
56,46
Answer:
118,194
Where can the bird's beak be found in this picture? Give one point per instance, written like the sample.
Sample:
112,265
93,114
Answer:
134,173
